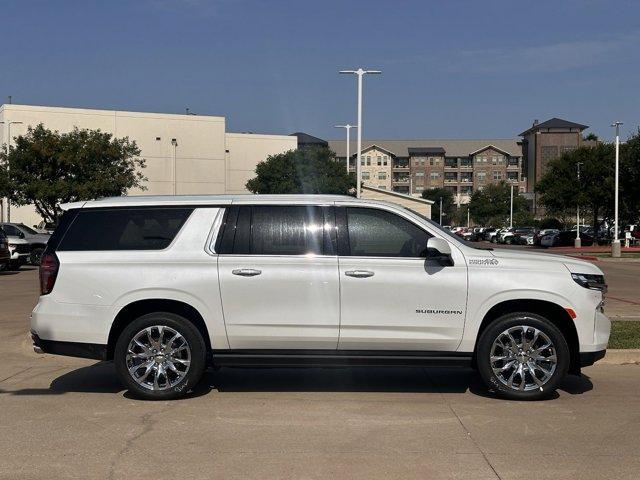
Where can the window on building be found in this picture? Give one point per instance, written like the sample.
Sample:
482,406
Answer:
385,160
434,175
382,175
419,174
379,159
481,176
512,176
368,160
362,160
365,175
466,190
419,189
497,175
494,160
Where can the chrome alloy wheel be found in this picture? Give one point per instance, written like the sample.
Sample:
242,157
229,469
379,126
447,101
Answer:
523,358
158,357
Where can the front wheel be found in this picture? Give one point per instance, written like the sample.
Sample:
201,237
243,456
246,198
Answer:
523,356
160,356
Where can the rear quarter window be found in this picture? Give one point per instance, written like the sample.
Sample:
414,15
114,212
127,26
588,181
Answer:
124,229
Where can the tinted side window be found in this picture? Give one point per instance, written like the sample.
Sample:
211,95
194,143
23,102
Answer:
11,230
285,230
378,233
124,229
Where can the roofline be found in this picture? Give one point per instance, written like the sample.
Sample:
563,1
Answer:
495,148
400,195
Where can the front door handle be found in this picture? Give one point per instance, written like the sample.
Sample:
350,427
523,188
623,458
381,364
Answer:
246,272
359,273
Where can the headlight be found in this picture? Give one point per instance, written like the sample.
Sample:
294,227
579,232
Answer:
588,280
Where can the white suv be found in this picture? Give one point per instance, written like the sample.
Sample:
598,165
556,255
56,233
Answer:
165,286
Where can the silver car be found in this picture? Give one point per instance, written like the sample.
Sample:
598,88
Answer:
37,241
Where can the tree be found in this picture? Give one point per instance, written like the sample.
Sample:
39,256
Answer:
312,170
491,205
591,136
435,194
47,168
559,188
630,179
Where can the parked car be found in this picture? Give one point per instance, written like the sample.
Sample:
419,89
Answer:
19,252
5,255
537,236
37,241
565,238
515,236
493,236
165,286
45,227
486,233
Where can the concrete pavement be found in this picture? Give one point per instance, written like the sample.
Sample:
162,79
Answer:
70,418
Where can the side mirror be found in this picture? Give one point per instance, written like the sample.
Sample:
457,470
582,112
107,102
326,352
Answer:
439,250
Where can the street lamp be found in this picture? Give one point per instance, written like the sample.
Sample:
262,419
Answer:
8,148
615,245
511,208
348,128
577,243
359,72
440,211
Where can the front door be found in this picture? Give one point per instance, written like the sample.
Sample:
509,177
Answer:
279,281
392,297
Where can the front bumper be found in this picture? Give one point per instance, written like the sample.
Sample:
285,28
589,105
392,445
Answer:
69,349
589,358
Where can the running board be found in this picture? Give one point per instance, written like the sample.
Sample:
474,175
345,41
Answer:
338,358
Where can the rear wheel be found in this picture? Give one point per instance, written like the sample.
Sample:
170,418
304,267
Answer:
36,254
160,356
523,356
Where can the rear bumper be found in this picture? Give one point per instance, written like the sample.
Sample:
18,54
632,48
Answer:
69,349
589,358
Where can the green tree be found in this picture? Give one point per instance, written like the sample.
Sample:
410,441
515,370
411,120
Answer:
47,168
491,205
308,171
630,179
448,207
561,191
591,136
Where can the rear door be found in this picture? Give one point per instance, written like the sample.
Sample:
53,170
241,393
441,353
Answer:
392,296
278,274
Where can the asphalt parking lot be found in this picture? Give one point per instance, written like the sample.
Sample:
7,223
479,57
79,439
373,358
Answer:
70,418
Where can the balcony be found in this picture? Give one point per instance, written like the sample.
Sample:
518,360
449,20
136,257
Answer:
466,179
401,181
512,167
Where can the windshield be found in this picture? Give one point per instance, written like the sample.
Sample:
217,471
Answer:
29,230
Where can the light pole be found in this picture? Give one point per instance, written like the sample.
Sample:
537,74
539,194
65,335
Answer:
8,149
440,211
615,245
359,72
348,128
511,209
578,241
174,143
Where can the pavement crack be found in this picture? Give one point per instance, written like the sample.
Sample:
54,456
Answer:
15,374
464,427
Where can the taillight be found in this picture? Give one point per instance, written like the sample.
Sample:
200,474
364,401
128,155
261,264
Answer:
49,266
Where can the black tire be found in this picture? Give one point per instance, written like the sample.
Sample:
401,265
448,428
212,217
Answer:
34,257
14,266
511,320
195,343
508,241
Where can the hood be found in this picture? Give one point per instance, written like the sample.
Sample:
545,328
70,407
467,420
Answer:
574,265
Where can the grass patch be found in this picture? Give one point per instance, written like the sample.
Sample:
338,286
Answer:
624,334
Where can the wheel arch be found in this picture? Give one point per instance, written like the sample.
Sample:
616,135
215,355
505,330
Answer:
138,308
550,310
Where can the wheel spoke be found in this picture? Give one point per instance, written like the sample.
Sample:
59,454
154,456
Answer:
523,358
150,357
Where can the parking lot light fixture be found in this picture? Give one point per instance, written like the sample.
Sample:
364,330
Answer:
578,241
360,73
348,128
615,245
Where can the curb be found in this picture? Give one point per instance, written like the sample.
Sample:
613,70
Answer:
616,356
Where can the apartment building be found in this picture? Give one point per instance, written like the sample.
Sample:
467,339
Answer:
461,166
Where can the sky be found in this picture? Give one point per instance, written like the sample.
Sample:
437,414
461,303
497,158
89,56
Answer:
451,69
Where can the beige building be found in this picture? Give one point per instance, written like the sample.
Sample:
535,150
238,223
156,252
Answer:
185,154
375,167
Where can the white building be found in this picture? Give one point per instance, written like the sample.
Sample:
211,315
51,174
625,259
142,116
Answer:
185,154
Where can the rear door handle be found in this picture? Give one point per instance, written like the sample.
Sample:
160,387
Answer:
359,273
246,272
